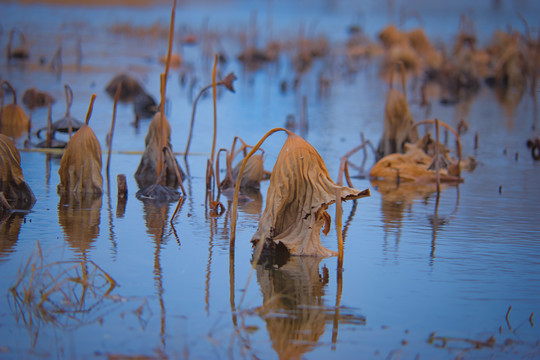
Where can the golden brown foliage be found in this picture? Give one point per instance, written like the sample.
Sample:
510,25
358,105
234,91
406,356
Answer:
398,123
13,119
300,191
80,167
12,184
158,135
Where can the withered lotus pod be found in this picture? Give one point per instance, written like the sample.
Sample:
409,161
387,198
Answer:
158,136
299,193
130,87
13,119
80,167
12,184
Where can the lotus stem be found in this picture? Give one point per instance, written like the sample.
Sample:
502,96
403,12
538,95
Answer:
445,125
113,121
69,101
5,82
167,151
239,180
214,86
437,154
171,34
90,107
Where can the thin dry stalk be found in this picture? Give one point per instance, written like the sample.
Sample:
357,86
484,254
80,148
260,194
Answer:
437,155
90,108
169,49
445,125
169,153
113,121
238,182
214,90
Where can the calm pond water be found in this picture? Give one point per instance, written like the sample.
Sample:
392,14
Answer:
423,276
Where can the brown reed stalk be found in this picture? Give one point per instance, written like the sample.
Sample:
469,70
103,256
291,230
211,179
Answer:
113,121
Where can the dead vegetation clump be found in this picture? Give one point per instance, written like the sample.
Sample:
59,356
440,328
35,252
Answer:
398,121
298,196
80,167
13,188
13,120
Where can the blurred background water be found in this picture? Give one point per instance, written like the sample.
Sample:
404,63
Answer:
415,264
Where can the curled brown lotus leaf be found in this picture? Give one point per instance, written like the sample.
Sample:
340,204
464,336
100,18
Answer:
13,120
80,167
130,87
253,172
12,184
398,125
158,135
299,193
414,165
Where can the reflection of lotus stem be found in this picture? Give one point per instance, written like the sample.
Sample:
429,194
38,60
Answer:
5,82
239,180
437,154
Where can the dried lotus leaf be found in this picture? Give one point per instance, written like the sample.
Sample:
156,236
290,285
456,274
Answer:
398,125
130,87
13,120
253,172
299,193
147,173
12,184
414,165
80,167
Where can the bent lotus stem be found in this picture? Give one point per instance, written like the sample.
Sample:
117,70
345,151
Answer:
5,82
445,125
239,178
227,81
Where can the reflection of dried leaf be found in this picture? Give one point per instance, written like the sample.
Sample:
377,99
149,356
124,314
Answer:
299,193
13,119
9,233
80,167
147,172
293,295
16,191
79,217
